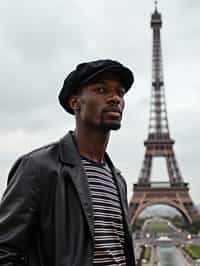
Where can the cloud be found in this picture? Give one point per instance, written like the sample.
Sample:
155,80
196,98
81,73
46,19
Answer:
41,30
42,41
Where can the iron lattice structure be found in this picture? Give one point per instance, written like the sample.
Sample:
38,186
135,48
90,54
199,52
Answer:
160,144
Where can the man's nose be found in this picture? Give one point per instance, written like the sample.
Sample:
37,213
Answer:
115,98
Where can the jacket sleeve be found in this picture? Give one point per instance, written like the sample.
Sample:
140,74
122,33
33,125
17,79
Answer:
18,212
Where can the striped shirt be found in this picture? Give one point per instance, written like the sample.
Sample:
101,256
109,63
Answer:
108,223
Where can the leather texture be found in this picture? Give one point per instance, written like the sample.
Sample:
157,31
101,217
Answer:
46,216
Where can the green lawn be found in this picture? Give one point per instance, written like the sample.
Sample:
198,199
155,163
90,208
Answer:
159,227
193,251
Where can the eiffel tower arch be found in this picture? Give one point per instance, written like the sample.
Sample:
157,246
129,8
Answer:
160,144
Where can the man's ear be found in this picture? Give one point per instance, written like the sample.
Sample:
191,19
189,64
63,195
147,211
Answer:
74,103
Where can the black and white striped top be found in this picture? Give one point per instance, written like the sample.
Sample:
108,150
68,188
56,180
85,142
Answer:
108,224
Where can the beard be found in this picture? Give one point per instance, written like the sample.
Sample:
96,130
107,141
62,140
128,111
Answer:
110,125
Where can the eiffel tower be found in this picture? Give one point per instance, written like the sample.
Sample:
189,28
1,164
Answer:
159,143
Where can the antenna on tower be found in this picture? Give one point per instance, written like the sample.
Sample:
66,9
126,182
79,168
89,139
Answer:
156,4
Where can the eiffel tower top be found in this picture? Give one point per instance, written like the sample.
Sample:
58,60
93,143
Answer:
158,122
156,20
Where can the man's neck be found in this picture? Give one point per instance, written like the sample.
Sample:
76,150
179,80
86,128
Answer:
92,144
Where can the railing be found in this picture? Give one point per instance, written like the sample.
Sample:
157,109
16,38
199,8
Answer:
161,185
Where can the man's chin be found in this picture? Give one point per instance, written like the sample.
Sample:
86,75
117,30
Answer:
111,126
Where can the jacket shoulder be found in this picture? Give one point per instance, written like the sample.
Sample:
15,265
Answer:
38,157
42,151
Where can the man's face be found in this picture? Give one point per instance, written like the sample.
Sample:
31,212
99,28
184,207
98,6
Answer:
101,103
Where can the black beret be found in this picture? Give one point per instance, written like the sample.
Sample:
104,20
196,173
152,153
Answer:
85,73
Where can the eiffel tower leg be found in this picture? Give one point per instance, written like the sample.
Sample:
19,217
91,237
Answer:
173,169
145,172
174,196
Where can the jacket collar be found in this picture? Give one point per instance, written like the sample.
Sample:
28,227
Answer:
68,150
69,153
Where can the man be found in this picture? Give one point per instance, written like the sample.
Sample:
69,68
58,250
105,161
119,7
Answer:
65,203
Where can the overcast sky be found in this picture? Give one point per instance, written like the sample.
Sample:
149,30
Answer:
42,41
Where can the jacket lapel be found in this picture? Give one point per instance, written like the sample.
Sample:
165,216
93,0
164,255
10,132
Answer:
120,186
69,155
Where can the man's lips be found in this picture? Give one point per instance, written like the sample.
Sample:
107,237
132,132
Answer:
115,110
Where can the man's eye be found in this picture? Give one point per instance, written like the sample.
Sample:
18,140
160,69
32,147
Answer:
121,92
101,90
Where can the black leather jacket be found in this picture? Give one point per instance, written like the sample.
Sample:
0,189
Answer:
46,214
